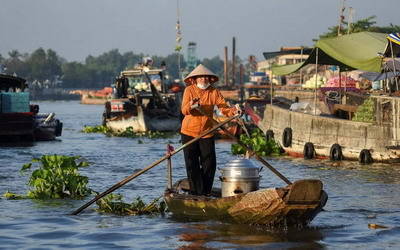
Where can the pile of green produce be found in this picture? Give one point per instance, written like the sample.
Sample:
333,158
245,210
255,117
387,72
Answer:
258,142
113,203
365,112
128,132
56,177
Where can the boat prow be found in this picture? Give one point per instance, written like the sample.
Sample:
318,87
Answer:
293,205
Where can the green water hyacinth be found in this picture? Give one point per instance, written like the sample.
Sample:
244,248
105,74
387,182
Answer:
113,203
57,177
96,129
128,132
149,134
258,142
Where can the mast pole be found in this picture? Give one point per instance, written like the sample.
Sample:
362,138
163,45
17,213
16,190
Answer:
316,82
226,80
341,18
178,46
233,62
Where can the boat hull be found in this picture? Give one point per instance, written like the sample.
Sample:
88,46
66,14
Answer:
16,127
143,123
272,206
47,130
324,132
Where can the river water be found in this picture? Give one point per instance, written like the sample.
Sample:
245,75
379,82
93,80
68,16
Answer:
358,196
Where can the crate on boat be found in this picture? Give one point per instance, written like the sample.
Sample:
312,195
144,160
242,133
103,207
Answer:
14,102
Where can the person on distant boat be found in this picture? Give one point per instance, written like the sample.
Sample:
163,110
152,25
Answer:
200,158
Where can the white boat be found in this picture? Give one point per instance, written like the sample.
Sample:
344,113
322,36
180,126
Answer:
142,103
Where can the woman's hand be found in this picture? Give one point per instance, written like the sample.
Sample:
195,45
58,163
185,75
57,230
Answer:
238,110
194,103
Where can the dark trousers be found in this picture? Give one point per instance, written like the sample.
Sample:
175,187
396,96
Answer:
200,164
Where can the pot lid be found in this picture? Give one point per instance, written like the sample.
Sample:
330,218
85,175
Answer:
240,163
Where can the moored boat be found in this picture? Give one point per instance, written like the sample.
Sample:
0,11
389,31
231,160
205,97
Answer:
16,119
20,121
99,97
143,102
315,136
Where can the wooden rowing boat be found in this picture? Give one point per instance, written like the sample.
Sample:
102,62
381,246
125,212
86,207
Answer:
294,205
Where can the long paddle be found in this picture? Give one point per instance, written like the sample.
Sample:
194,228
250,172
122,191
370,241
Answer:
249,149
136,174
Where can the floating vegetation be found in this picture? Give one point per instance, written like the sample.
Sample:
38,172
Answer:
11,196
113,203
56,177
148,134
365,112
128,132
96,129
259,143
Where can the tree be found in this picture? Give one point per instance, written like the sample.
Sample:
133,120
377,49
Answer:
77,75
366,24
14,64
215,64
53,64
37,64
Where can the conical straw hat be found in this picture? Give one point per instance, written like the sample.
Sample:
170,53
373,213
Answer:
200,71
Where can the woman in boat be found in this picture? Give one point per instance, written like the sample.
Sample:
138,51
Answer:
199,99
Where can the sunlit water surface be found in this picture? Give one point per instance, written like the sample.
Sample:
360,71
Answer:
358,196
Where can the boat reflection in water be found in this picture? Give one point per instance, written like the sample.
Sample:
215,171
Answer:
217,235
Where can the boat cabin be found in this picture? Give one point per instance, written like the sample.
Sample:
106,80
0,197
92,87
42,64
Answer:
16,120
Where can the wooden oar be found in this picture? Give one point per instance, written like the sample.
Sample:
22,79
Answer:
252,152
136,174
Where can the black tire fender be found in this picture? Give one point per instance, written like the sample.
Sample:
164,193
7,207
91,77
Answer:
59,127
287,137
309,151
269,135
365,157
335,153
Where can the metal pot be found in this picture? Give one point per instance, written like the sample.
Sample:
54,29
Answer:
239,176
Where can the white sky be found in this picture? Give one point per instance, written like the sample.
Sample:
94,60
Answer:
77,28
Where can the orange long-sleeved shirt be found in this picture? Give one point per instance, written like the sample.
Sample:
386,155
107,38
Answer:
194,122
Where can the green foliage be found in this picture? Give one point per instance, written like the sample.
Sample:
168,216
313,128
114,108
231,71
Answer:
178,48
77,75
113,203
365,112
40,65
96,129
57,177
258,143
95,72
11,196
366,24
215,64
128,133
149,134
